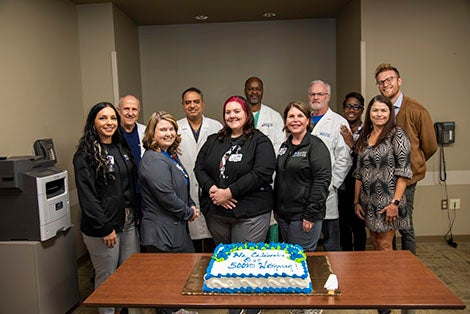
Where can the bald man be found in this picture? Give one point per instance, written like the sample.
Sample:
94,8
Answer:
129,109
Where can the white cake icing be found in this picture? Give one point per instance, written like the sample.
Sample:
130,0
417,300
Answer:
258,268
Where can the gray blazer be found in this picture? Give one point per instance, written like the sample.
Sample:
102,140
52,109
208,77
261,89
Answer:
166,204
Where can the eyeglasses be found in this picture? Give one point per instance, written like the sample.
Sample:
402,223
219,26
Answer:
354,107
388,80
317,94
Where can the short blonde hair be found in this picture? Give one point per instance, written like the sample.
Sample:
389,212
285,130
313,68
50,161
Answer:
149,141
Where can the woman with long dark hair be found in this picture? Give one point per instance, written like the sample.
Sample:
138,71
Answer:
105,174
383,167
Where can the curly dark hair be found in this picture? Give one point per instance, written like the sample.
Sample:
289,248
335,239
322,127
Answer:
249,126
90,143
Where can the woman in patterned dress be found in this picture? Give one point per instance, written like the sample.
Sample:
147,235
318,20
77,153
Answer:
382,170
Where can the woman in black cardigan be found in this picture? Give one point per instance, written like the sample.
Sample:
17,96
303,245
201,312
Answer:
104,175
234,169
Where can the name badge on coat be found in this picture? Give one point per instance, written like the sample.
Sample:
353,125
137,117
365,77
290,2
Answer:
235,157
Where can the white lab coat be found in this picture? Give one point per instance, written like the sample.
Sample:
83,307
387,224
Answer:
141,131
189,150
271,124
328,130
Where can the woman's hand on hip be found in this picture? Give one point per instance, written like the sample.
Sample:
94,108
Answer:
391,213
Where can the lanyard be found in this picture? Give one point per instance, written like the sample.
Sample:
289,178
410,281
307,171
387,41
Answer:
225,157
177,164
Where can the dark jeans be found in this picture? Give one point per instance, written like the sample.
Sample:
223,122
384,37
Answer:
292,232
331,235
408,240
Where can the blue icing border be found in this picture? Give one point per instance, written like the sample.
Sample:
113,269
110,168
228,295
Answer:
307,290
222,251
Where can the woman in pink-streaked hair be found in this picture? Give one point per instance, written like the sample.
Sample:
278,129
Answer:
234,169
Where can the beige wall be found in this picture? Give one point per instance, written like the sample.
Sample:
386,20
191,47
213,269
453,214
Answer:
427,41
126,36
96,30
219,57
40,82
348,50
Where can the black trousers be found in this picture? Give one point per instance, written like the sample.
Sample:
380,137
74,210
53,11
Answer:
352,229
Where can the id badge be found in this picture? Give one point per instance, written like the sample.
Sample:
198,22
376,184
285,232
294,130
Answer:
111,163
235,157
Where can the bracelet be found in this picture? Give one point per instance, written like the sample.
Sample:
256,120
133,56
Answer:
354,205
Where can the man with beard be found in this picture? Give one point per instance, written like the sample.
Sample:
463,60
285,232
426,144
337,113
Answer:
327,126
416,121
267,120
270,122
194,130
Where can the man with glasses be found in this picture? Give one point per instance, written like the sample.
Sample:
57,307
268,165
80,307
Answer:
416,121
327,126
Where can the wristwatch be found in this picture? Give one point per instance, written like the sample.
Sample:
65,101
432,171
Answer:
396,202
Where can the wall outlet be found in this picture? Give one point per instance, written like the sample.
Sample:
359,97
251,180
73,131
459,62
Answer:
444,204
454,203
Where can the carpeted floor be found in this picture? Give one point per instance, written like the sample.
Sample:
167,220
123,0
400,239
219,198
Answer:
451,265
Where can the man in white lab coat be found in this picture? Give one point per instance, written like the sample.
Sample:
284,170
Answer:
194,130
327,126
268,121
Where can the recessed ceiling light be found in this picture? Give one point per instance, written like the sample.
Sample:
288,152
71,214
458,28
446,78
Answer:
201,17
269,15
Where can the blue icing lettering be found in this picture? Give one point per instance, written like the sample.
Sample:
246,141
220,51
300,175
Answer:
238,265
270,265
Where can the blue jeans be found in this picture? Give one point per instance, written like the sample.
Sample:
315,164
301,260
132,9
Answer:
331,235
292,232
408,240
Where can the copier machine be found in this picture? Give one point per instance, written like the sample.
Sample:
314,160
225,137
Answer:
34,199
37,243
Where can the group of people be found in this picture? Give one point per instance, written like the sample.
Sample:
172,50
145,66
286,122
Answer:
187,185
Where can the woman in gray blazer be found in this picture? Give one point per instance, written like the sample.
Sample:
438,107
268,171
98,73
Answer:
166,203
